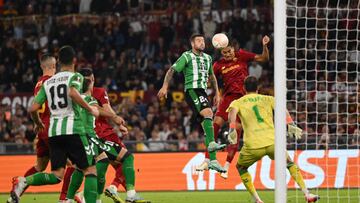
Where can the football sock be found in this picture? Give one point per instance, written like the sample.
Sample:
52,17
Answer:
296,174
207,125
247,180
66,181
216,133
119,177
42,179
101,168
90,188
75,183
29,172
128,170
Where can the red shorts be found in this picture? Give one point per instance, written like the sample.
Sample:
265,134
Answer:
42,146
114,138
224,104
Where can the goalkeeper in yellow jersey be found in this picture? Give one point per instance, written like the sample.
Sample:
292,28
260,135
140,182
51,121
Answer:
256,114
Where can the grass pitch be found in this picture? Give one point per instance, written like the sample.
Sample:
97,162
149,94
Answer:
328,196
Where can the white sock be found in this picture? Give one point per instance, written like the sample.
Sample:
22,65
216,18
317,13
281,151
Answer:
227,165
130,193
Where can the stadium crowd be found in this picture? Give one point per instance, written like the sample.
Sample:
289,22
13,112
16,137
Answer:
128,51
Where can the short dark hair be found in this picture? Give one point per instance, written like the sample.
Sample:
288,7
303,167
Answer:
44,57
193,36
66,55
86,72
251,84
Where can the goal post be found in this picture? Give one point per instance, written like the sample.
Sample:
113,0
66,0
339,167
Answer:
280,99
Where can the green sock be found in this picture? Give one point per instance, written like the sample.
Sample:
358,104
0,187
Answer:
207,125
42,179
75,183
101,168
129,172
90,188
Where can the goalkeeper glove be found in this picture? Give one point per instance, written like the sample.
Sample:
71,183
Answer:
232,136
294,131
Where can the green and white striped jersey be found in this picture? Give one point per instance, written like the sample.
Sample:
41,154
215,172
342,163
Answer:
196,69
88,118
65,115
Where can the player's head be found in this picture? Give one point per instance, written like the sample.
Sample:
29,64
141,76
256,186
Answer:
197,42
67,56
228,53
47,62
251,84
87,73
88,85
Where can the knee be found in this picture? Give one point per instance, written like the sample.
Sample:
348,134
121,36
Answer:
124,155
91,170
218,120
207,113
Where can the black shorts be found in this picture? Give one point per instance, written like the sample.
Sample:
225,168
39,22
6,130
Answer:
75,147
111,149
198,100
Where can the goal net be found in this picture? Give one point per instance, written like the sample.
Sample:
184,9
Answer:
323,74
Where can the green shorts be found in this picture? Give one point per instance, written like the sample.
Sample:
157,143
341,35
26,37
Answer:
198,100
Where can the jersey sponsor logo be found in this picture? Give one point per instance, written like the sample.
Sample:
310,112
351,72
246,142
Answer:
226,70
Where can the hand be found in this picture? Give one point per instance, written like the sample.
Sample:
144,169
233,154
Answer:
39,127
118,120
162,93
94,111
265,40
217,99
232,136
294,131
124,131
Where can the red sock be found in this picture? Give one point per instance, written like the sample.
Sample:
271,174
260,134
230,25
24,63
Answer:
31,171
233,148
216,133
66,181
119,177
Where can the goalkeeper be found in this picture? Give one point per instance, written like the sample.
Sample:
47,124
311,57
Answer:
256,114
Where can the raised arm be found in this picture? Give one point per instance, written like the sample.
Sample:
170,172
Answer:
265,53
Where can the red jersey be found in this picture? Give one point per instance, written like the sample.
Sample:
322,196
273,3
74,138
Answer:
102,126
44,112
233,73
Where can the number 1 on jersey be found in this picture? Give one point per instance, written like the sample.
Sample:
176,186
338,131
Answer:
257,114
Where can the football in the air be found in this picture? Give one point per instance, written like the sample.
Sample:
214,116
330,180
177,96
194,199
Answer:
220,40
